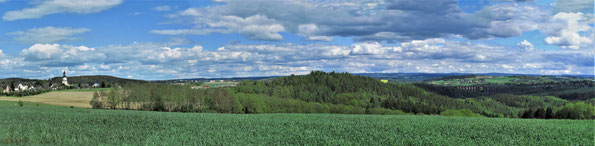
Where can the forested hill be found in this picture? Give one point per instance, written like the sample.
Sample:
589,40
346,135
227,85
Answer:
96,79
9,80
367,92
348,89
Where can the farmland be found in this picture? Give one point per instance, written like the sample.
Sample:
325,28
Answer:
59,125
66,98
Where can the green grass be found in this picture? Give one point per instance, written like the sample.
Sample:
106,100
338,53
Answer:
26,104
500,80
85,90
73,126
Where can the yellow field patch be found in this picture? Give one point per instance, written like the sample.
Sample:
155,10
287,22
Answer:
76,99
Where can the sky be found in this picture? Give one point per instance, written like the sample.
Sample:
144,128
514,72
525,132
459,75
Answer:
154,40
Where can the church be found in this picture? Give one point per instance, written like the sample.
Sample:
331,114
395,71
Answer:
64,79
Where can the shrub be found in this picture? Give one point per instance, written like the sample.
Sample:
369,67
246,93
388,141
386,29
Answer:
96,102
460,112
20,103
252,104
383,111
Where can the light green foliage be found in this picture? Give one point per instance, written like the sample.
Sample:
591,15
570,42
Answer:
578,110
252,104
460,112
66,126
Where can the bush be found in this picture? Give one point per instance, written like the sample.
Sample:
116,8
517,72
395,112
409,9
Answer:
252,104
383,111
20,103
96,102
460,112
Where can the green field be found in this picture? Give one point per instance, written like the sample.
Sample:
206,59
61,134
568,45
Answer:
60,125
218,84
500,80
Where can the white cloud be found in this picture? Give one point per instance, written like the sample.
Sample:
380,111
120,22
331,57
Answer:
567,29
256,27
43,51
60,55
526,45
60,6
48,34
309,30
162,61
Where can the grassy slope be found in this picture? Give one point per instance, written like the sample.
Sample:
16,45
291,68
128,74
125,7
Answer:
56,125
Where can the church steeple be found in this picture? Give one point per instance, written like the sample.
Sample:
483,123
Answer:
64,79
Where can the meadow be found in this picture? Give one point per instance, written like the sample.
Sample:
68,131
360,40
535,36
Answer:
43,124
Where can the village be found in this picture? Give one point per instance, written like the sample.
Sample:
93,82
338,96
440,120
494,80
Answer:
17,86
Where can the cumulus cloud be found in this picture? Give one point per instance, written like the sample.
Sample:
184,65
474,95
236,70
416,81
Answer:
60,6
565,30
60,55
162,61
48,34
526,45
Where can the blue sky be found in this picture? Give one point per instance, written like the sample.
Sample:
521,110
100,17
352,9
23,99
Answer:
187,39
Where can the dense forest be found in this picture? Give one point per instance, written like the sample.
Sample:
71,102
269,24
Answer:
321,92
581,90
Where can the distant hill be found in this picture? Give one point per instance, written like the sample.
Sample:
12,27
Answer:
395,77
95,79
226,79
16,80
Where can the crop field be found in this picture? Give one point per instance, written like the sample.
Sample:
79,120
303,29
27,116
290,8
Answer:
70,98
85,90
500,80
218,84
60,125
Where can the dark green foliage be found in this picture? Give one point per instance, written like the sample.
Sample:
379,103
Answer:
23,93
460,112
20,103
577,110
549,113
321,92
96,79
345,89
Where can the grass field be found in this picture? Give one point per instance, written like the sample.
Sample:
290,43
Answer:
218,84
500,80
70,98
59,125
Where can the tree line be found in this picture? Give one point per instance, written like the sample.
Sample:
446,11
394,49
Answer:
172,98
317,92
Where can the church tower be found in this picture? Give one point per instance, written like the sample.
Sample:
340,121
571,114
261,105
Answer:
64,79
